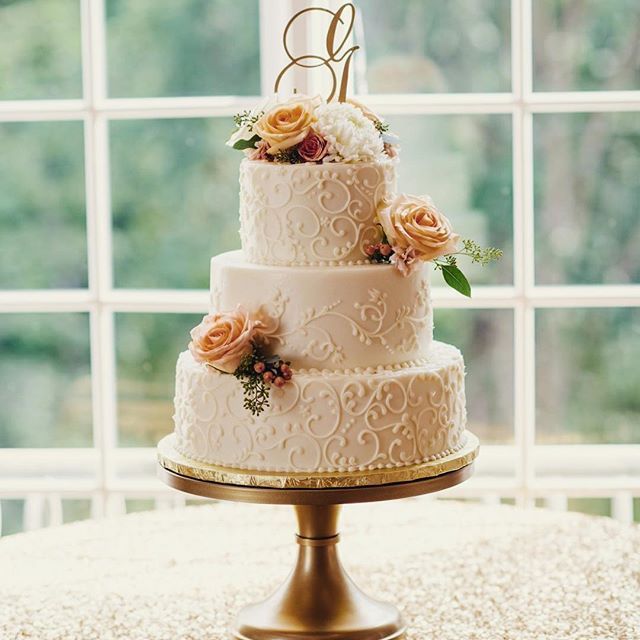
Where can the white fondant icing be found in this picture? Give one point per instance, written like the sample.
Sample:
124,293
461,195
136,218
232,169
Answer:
329,421
311,214
357,318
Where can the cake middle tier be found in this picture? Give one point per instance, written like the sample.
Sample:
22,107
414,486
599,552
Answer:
328,318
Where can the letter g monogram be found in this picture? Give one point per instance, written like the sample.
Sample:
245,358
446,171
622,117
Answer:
335,55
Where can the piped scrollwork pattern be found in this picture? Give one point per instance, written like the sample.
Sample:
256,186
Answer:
311,214
325,422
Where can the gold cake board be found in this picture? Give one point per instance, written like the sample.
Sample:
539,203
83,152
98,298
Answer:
171,459
318,601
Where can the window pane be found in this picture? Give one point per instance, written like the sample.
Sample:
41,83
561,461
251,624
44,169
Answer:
429,46
40,49
135,505
147,347
587,197
76,509
464,163
486,341
45,380
42,206
587,376
183,47
586,45
175,200
12,512
591,506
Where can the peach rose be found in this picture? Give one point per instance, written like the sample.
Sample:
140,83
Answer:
413,222
286,125
223,339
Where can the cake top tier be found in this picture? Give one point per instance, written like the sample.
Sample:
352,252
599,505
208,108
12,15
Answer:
311,214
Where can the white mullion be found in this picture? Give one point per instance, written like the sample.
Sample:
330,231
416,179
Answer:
43,301
440,103
622,507
41,110
273,19
583,101
197,300
518,172
92,231
589,296
156,108
99,242
524,329
528,348
389,104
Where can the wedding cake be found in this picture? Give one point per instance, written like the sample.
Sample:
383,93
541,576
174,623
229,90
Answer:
317,355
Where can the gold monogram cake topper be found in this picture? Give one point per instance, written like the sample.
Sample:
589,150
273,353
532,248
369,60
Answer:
334,55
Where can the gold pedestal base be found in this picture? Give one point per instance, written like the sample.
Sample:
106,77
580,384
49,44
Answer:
318,601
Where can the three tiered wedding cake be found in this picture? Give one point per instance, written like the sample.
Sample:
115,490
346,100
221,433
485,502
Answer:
317,355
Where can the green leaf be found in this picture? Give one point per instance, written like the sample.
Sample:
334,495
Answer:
246,144
456,279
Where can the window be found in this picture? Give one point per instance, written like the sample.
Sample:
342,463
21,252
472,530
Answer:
521,118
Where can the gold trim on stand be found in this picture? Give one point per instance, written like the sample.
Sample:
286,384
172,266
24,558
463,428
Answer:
172,460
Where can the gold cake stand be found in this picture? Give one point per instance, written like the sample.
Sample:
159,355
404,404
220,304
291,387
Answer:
318,601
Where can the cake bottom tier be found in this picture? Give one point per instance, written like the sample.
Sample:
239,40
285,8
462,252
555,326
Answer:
325,421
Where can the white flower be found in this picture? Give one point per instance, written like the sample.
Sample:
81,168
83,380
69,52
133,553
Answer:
350,135
246,132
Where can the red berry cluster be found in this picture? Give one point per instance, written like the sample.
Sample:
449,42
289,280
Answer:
278,372
379,252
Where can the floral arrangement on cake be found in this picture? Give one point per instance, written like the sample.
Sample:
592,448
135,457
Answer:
304,129
230,343
414,231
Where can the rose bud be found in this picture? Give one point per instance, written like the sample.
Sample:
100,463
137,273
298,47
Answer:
279,381
259,367
268,376
385,249
284,367
370,250
287,375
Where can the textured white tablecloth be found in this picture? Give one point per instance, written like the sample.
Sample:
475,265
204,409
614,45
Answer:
457,571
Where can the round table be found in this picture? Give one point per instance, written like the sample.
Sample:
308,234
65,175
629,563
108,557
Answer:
455,570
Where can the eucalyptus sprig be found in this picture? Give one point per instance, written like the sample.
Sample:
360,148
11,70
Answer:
452,273
287,156
478,254
247,118
381,126
256,390
256,372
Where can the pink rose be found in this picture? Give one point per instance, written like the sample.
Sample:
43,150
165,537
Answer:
259,152
223,339
413,222
313,148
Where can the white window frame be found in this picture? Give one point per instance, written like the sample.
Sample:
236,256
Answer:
505,471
